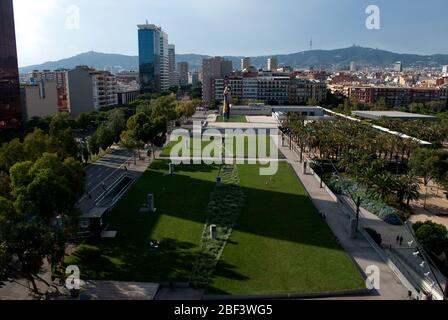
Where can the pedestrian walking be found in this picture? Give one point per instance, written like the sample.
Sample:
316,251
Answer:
398,239
401,241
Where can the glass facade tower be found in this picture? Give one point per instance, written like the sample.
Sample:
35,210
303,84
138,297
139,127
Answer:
149,57
10,112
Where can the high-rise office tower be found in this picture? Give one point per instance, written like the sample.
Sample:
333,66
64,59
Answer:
398,66
245,63
164,62
174,77
445,70
353,66
10,112
213,68
272,64
182,68
153,53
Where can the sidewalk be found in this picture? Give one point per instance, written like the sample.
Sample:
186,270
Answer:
338,219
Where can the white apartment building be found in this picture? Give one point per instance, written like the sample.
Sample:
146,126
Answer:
246,63
174,76
272,64
105,88
164,62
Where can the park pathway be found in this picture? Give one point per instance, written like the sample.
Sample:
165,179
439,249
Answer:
338,218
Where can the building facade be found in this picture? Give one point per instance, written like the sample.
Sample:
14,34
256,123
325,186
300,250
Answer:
182,68
149,39
193,78
174,78
90,90
246,63
395,96
212,69
41,99
272,64
301,90
10,107
60,77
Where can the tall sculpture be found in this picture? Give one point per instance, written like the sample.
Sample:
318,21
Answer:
226,108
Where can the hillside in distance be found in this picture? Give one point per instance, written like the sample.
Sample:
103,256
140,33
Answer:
328,59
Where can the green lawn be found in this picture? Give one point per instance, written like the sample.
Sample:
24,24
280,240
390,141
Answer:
181,201
196,145
234,119
281,244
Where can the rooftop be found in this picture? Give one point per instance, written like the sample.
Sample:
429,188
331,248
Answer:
392,115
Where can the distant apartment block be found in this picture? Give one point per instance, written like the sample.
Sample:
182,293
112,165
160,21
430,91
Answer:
274,90
182,69
272,64
60,77
90,90
246,63
398,66
445,70
193,78
41,99
213,68
174,76
395,96
302,90
126,97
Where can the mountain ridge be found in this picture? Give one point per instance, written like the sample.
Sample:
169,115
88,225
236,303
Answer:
328,59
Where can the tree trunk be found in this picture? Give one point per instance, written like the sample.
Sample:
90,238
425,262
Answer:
33,283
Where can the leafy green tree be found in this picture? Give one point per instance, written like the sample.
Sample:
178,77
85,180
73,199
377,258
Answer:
116,122
36,144
48,187
93,144
5,188
4,259
432,236
312,102
424,164
11,153
105,137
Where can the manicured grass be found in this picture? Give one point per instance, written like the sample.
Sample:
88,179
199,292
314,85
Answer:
181,201
234,119
281,244
196,146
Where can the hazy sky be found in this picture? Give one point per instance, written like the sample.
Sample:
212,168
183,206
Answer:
48,29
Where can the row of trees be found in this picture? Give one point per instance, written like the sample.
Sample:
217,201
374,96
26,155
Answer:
40,184
150,123
434,132
389,165
41,177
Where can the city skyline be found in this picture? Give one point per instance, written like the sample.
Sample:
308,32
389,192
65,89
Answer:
329,26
